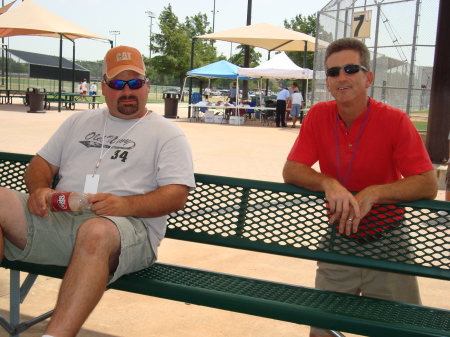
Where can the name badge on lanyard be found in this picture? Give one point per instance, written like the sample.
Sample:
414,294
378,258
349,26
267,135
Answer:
91,184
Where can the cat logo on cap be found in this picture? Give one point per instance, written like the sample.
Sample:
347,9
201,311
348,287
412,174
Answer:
123,56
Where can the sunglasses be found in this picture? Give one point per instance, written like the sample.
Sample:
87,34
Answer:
137,83
349,69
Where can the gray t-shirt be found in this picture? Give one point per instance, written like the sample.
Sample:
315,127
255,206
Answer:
296,98
154,153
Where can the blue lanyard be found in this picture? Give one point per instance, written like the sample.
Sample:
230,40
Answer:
354,148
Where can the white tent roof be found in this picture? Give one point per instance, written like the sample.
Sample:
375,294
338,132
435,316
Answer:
280,66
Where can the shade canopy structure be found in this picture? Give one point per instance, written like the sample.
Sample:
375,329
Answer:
28,18
267,36
219,69
4,9
278,67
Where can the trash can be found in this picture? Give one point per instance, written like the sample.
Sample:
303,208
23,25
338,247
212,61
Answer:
171,105
36,98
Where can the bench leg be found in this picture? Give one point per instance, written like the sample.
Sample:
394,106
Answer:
17,295
14,304
14,297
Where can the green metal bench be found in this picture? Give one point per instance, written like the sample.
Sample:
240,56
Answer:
285,220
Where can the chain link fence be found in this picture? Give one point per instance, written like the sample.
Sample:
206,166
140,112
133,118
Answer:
400,35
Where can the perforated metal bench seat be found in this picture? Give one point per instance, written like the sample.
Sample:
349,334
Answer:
274,300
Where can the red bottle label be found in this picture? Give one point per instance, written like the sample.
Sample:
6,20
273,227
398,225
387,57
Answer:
60,202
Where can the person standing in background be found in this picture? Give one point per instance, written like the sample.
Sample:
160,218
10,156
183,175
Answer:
296,99
232,94
291,89
207,93
94,88
282,97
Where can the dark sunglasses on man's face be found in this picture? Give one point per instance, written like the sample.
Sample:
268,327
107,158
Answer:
349,69
137,83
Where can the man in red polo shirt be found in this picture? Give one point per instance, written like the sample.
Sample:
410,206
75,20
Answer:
365,146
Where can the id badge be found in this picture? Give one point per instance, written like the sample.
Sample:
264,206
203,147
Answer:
91,184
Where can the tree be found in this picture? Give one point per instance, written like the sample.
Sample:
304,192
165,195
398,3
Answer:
173,45
306,26
238,58
205,51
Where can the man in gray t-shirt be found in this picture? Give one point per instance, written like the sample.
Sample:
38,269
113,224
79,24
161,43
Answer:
136,167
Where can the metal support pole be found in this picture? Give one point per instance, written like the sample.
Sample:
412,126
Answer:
267,83
73,67
190,79
6,65
150,45
316,59
336,29
305,81
151,15
14,305
375,49
60,71
439,116
413,57
246,53
3,55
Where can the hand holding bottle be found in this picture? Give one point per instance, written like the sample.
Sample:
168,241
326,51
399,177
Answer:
67,201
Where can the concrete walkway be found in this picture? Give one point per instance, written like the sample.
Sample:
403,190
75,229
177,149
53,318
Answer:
246,151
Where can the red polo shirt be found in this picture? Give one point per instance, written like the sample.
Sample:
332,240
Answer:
389,146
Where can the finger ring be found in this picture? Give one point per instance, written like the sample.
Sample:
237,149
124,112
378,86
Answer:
350,219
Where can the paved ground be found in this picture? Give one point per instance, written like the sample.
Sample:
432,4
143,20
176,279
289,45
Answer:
248,151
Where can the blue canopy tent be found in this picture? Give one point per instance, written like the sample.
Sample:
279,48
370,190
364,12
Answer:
219,69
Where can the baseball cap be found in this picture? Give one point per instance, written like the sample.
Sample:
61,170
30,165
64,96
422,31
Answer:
122,58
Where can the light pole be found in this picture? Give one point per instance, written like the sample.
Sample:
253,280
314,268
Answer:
214,14
151,15
115,33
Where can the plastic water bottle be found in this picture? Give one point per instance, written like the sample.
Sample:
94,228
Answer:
67,201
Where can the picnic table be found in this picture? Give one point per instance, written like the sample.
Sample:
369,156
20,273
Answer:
68,99
6,95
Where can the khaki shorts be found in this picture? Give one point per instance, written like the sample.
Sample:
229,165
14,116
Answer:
369,282
51,240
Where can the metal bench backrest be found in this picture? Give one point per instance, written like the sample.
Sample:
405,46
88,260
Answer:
283,219
286,220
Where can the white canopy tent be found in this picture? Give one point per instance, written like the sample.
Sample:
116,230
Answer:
278,67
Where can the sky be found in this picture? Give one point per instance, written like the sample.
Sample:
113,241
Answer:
130,18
